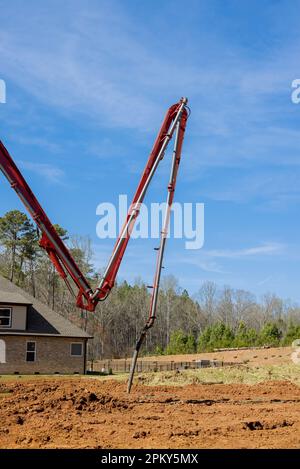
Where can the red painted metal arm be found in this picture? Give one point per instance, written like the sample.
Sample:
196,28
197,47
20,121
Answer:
164,135
180,130
50,241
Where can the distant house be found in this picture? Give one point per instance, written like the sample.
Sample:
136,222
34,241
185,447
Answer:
34,339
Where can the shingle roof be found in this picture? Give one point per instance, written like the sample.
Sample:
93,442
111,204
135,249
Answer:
13,298
41,319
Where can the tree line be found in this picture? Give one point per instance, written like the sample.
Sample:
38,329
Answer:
214,317
221,336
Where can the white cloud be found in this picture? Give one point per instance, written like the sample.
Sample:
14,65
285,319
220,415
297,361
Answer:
207,266
98,61
47,171
37,141
265,280
269,189
264,249
72,69
206,260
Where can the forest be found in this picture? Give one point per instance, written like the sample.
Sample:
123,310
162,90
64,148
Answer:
214,317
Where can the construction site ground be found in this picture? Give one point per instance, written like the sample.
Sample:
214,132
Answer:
255,356
96,412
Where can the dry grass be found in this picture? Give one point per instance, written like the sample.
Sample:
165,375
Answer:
248,374
227,375
25,378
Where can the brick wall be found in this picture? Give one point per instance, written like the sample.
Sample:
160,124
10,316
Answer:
53,354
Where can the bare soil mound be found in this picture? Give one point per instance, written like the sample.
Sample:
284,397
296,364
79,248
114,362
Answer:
90,413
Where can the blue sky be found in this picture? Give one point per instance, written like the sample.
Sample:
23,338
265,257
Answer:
88,83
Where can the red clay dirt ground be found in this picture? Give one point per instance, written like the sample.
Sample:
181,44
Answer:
91,413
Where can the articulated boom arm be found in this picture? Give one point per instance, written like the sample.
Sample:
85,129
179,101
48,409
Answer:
176,116
50,241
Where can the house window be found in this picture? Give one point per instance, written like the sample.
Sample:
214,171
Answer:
5,317
30,351
76,349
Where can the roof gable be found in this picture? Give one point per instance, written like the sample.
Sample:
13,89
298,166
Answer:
41,319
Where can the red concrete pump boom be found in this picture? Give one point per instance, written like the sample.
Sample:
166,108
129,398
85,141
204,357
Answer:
87,298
